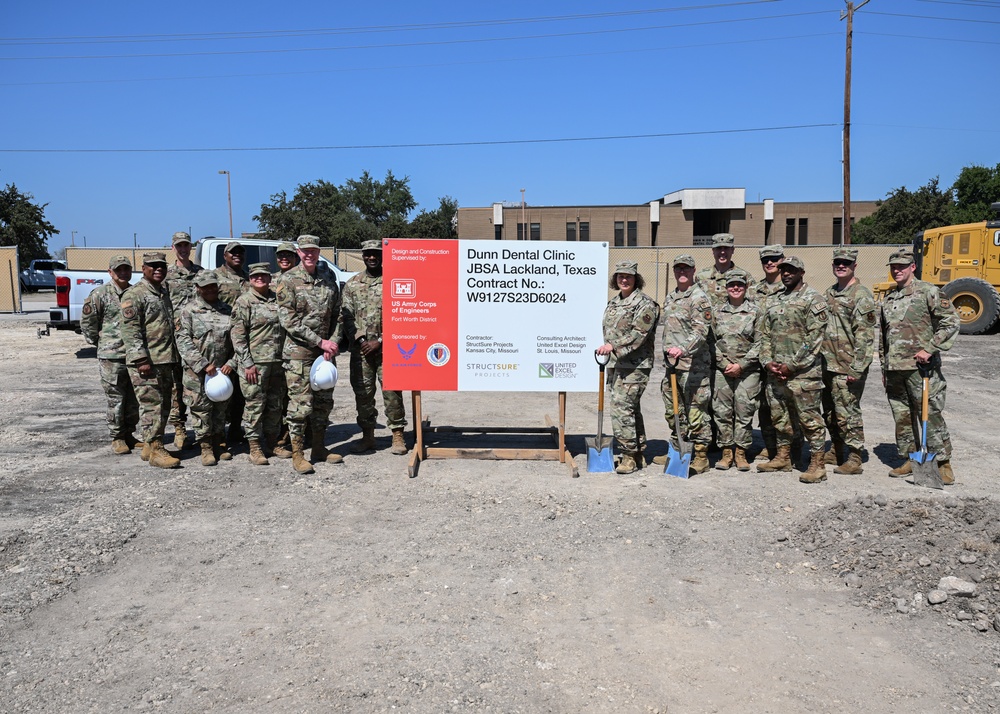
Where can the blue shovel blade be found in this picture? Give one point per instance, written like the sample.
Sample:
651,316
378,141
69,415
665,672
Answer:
600,461
677,464
922,457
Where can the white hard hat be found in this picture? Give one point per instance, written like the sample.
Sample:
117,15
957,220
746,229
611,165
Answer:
323,374
219,387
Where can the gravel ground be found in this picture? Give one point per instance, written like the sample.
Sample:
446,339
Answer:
478,585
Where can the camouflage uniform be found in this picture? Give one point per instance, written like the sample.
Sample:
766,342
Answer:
792,330
258,339
232,284
917,317
847,352
713,282
734,400
180,285
760,294
687,318
203,339
308,306
148,333
101,326
630,327
361,318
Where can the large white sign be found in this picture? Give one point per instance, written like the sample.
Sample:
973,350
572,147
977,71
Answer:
528,315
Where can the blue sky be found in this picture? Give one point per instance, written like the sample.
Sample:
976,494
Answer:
255,75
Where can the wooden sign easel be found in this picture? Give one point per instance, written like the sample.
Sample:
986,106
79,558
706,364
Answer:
422,452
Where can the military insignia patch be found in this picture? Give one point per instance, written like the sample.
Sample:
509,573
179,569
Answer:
128,312
871,318
945,302
708,314
87,309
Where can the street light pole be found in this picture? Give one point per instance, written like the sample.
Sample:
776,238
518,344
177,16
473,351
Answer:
229,196
72,238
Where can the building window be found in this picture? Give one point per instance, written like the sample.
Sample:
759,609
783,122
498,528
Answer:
497,232
619,233
570,231
536,231
520,231
803,231
584,230
789,231
633,233
838,230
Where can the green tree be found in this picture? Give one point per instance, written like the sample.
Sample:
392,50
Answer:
439,223
904,213
380,201
343,216
975,189
22,223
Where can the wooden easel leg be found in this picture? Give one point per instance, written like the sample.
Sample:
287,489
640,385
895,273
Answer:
418,432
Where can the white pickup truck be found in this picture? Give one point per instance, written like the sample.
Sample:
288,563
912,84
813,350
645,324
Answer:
73,286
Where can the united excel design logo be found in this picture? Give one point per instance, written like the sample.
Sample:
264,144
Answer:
545,370
438,354
406,353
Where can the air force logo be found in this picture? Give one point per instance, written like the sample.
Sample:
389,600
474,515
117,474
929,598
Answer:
407,354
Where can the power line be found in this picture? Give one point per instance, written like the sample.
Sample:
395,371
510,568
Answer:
421,44
931,17
410,66
364,29
426,145
988,4
935,39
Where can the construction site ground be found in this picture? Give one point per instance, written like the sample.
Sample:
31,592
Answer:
501,586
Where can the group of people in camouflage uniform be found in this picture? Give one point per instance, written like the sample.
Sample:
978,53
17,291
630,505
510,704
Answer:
160,340
778,349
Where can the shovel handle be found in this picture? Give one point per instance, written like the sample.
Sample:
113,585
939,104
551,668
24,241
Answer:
925,400
600,391
673,391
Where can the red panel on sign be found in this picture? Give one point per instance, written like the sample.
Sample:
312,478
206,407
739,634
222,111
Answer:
420,314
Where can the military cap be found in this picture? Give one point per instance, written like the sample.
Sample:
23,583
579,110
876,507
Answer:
684,259
308,241
903,256
205,277
233,246
260,269
118,261
794,261
723,239
737,275
181,237
844,253
285,247
371,245
154,257
772,251
627,267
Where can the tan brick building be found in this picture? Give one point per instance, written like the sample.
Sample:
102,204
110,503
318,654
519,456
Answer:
682,218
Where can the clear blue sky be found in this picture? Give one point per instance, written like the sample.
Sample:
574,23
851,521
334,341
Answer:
250,74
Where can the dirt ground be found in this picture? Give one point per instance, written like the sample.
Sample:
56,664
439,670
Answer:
483,585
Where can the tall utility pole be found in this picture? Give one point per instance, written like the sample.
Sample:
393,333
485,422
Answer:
846,220
229,195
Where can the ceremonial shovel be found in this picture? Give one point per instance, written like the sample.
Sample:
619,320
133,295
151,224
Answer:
600,457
